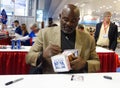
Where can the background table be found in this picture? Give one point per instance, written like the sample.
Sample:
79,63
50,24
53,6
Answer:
13,61
108,59
89,80
5,41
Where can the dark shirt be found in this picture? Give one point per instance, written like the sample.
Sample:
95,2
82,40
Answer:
67,40
18,30
26,42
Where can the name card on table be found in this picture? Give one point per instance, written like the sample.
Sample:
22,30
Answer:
61,62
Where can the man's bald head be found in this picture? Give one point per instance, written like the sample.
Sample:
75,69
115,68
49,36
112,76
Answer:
71,9
69,18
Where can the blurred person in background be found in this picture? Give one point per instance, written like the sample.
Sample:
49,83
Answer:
3,33
17,27
80,27
91,31
106,32
32,35
25,33
50,22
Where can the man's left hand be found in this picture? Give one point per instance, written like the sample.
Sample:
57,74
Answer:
77,64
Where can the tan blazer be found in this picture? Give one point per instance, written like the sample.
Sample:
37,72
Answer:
84,43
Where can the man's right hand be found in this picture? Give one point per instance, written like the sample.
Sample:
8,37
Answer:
51,50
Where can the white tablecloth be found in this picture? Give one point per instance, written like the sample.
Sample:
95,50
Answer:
91,80
23,49
27,48
102,50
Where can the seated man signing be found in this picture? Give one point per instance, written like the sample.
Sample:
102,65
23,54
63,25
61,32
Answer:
52,41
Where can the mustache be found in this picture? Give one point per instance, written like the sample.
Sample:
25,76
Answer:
67,27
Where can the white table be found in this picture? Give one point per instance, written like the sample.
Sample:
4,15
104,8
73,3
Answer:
23,49
102,50
91,80
27,48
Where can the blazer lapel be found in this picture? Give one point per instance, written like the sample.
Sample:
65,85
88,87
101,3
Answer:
56,36
109,29
78,43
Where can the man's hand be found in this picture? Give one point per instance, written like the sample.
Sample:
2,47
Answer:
77,63
51,50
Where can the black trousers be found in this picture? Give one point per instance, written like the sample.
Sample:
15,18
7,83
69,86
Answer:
35,70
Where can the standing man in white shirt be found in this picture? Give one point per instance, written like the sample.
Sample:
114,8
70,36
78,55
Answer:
106,32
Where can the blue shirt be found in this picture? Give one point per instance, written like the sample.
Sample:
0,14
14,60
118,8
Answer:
32,35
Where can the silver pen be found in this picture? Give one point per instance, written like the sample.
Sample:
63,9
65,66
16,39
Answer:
14,81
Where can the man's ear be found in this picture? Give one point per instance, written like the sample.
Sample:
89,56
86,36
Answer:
78,19
59,15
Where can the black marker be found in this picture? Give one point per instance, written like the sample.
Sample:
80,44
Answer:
72,77
11,82
108,77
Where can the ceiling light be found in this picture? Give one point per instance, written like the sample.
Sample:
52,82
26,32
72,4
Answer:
110,6
107,8
76,4
104,6
114,1
82,5
89,12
